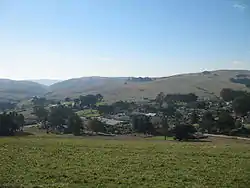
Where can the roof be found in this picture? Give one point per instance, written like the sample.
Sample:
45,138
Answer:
150,114
145,114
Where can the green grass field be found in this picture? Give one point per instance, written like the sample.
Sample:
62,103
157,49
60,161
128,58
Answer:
87,162
88,113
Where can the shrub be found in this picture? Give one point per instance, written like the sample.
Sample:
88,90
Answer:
184,132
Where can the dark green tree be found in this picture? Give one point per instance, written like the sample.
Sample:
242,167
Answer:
160,99
67,99
121,106
148,125
194,118
10,123
39,101
178,117
77,101
20,120
227,94
59,116
169,111
165,127
41,113
75,124
88,100
225,122
142,124
208,122
184,132
105,109
99,97
241,105
96,126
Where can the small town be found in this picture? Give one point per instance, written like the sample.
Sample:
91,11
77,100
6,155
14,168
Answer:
227,115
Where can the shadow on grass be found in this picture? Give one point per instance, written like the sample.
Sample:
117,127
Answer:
195,140
23,134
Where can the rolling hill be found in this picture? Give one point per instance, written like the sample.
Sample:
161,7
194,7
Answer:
18,90
206,84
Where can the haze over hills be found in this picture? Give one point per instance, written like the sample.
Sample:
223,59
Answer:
205,84
17,90
46,82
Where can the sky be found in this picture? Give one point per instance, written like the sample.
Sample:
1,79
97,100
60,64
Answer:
61,39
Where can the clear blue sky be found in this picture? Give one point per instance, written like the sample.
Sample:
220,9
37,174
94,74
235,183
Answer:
69,38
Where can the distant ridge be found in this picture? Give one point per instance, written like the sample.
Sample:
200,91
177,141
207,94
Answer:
206,84
18,90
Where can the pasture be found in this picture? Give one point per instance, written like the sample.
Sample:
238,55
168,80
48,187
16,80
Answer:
57,161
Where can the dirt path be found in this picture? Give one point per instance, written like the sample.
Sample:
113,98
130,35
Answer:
225,136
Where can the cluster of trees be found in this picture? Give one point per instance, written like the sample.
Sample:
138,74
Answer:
169,111
191,97
63,118
240,100
229,95
7,105
96,125
241,80
184,132
105,109
59,118
161,98
39,101
241,105
116,107
88,100
10,123
143,124
223,124
198,105
140,79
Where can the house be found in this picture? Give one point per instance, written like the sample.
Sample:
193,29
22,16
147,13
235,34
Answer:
155,118
121,117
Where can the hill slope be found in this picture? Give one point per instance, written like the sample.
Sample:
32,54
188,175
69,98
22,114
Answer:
17,90
205,84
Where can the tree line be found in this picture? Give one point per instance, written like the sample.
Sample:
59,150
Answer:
10,123
240,100
88,100
161,98
59,117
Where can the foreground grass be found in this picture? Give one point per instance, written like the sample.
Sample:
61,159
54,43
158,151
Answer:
75,162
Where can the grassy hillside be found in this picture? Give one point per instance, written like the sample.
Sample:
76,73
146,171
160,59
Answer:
85,85
17,90
75,162
206,84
